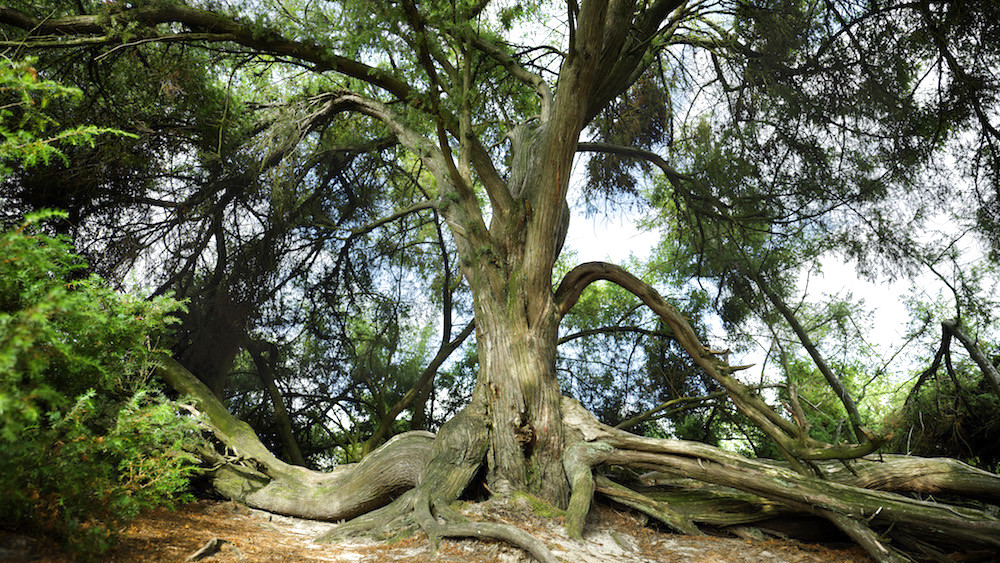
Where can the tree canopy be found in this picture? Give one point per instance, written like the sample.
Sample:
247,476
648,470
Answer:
346,192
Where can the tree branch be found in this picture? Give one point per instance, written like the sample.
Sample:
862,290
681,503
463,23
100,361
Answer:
425,379
512,66
419,206
831,378
988,370
786,433
613,330
209,26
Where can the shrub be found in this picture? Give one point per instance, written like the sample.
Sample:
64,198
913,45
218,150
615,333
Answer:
85,444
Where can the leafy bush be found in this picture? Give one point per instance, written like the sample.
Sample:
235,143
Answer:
85,443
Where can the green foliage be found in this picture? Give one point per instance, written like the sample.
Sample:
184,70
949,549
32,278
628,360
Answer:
85,444
85,485
954,413
25,128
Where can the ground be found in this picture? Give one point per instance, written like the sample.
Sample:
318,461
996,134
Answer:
252,535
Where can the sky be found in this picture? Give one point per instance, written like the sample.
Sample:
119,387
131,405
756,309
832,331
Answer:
615,237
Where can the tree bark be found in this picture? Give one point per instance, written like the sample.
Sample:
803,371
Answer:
415,476
246,471
517,378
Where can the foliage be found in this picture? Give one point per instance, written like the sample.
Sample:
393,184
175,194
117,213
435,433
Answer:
954,414
787,130
86,444
26,129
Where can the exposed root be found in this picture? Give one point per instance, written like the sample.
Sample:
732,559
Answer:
481,530
578,461
395,520
856,511
254,476
658,510
426,473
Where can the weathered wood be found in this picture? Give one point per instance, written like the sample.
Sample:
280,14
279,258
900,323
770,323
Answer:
887,472
253,475
662,511
853,509
691,482
579,460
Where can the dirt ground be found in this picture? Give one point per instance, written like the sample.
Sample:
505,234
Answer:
243,534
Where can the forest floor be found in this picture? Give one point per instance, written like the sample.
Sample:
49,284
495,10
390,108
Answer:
252,535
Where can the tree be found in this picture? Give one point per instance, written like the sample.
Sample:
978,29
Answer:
483,134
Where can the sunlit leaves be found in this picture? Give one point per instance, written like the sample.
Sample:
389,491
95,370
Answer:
29,135
86,447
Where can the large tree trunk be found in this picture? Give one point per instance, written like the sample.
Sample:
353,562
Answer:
518,382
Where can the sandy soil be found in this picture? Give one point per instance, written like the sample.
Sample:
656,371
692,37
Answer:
243,534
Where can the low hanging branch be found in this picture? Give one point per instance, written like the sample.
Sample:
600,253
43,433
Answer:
869,517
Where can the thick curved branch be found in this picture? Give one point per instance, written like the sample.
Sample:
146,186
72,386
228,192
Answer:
787,434
850,507
256,477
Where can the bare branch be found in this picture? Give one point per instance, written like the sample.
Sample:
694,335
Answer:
613,330
419,206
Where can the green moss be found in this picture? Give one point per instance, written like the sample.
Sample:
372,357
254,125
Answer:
538,506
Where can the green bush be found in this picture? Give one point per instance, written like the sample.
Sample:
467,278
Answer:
85,444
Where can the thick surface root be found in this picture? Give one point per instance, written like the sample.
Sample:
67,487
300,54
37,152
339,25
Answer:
244,470
863,514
